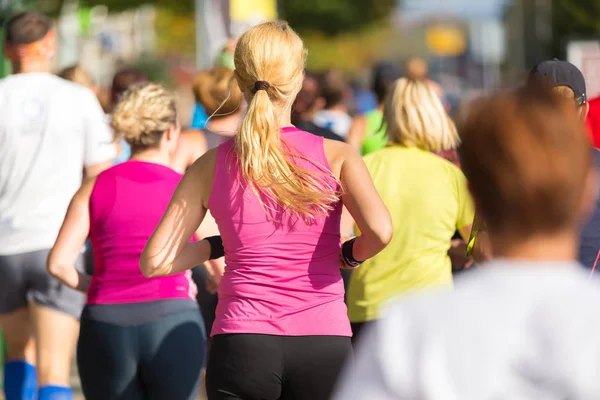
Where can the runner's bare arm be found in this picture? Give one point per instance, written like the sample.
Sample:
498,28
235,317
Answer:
364,204
169,251
71,239
357,132
215,268
347,223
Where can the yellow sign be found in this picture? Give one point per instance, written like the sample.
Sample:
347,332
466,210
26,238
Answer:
445,40
247,10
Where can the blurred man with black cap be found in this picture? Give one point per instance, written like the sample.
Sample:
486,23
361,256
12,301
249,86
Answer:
568,81
565,79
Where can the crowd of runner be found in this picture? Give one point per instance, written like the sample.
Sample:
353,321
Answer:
298,240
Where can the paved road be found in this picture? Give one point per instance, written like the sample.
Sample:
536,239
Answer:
77,395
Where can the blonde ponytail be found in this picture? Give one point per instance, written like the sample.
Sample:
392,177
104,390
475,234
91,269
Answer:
269,60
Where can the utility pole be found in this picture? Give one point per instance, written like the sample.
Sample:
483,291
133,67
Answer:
515,21
212,30
529,25
5,11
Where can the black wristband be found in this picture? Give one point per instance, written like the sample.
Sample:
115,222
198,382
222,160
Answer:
216,247
347,254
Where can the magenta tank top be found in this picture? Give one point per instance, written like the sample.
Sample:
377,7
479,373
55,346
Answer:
281,278
126,205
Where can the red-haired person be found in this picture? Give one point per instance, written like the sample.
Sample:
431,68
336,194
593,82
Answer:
522,326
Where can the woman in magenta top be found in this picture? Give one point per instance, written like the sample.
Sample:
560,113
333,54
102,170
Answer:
132,327
276,193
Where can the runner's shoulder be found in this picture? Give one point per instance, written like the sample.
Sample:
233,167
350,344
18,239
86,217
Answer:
61,87
338,148
338,153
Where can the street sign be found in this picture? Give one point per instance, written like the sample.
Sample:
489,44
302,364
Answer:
445,40
487,41
585,55
464,9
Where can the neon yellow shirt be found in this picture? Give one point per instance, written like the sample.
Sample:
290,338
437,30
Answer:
428,200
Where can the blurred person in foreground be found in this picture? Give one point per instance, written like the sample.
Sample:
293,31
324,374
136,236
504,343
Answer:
336,93
53,134
567,81
308,102
522,326
131,327
427,197
367,132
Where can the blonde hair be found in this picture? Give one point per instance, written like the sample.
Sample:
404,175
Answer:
269,61
415,117
77,74
564,91
143,114
217,91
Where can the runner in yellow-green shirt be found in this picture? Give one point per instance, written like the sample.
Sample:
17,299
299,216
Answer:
427,197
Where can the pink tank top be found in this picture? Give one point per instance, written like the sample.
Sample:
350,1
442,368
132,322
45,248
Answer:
126,205
281,278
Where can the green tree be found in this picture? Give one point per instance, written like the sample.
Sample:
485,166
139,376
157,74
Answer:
333,17
176,6
573,18
52,7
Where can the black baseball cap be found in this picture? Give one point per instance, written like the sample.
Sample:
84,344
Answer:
561,73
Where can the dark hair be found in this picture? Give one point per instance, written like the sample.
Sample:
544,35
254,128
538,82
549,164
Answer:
306,98
333,88
527,157
123,79
26,27
384,75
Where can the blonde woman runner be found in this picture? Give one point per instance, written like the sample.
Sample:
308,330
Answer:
427,197
132,327
281,329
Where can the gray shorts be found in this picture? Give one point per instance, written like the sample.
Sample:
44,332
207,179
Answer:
24,279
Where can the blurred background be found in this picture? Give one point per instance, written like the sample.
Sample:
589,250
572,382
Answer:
466,46
469,45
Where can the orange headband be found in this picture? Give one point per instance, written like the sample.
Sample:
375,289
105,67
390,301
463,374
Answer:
43,48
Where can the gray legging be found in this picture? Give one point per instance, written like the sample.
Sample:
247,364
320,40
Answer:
157,359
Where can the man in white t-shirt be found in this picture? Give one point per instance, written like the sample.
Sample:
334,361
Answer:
524,326
53,134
